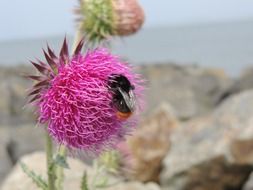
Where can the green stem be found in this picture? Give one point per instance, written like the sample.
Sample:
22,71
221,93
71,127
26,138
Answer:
59,169
50,163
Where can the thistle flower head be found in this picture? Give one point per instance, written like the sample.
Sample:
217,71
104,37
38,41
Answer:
74,97
101,19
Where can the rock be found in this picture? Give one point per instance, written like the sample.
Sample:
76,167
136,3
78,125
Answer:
215,151
5,161
150,143
20,113
135,186
249,184
4,102
17,180
241,150
15,142
191,90
13,87
242,83
25,139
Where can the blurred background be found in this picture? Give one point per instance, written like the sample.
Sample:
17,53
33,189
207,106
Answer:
197,58
210,33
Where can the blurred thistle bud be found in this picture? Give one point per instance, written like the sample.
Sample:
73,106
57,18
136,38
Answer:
118,161
101,19
110,160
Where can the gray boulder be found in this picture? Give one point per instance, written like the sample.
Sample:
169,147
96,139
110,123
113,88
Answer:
213,152
13,87
16,142
5,161
243,82
191,90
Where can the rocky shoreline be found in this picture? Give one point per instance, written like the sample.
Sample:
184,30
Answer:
200,120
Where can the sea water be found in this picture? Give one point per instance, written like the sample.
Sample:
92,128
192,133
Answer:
223,45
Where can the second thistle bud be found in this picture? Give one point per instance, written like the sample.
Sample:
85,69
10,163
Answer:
129,16
101,19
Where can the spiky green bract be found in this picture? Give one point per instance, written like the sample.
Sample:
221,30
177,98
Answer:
98,19
37,179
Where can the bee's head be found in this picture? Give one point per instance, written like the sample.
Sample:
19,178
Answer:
120,81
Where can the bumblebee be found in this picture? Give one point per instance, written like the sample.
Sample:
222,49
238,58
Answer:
123,99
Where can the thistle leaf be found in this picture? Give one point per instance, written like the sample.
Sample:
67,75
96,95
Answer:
37,179
102,182
84,183
61,161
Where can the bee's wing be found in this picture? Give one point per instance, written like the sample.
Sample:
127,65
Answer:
129,98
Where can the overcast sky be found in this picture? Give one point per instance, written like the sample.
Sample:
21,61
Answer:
32,18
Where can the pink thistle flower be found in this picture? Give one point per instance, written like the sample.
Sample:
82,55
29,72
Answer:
87,100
